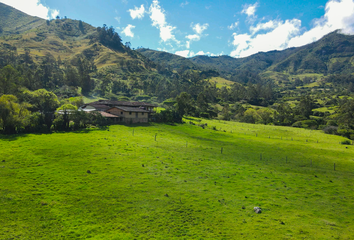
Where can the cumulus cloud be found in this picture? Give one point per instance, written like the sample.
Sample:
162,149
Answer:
265,26
249,9
233,26
338,15
184,53
278,34
53,13
208,54
137,12
33,8
277,39
202,53
127,31
198,29
157,16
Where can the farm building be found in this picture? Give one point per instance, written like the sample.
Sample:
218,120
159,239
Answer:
121,112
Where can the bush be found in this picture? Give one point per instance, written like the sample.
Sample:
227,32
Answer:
204,115
306,124
167,116
346,142
330,130
142,97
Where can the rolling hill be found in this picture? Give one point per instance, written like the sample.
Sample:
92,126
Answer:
333,54
64,38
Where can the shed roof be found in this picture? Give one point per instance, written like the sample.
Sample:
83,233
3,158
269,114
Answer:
108,115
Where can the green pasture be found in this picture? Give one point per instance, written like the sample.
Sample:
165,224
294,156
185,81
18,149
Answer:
221,82
198,180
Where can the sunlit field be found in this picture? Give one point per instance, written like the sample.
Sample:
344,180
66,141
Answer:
185,181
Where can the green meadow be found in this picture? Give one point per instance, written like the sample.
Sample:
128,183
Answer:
198,180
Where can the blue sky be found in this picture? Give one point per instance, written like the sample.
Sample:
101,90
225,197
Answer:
196,27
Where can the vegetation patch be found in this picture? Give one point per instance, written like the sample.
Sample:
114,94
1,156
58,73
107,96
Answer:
170,182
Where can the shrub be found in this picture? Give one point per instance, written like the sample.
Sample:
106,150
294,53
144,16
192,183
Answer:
330,130
204,115
346,142
306,124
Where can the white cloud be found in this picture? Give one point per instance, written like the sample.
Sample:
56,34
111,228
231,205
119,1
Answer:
277,39
265,26
184,53
117,19
207,54
278,35
127,31
249,9
33,8
233,25
202,53
54,13
184,4
157,16
137,12
338,15
198,29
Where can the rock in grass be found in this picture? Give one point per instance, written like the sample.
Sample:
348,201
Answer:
257,209
88,171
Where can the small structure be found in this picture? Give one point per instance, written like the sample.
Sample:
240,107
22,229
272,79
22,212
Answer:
121,112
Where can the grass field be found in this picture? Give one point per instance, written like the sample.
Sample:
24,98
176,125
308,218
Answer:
221,82
191,183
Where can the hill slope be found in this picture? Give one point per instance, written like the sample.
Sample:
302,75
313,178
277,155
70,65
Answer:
13,21
333,54
172,60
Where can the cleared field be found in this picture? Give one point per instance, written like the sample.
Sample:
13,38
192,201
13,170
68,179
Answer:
221,82
177,182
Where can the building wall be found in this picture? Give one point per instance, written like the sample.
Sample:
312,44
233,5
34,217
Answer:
134,117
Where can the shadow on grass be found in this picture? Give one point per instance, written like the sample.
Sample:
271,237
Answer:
12,137
136,124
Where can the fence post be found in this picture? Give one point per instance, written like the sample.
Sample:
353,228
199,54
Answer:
155,136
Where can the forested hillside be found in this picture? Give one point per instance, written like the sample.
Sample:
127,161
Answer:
309,86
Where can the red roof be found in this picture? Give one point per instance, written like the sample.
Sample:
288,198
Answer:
108,115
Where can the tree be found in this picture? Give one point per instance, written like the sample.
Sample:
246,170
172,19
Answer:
284,115
266,115
81,27
12,113
45,102
305,106
9,80
64,112
184,104
128,45
202,102
226,112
